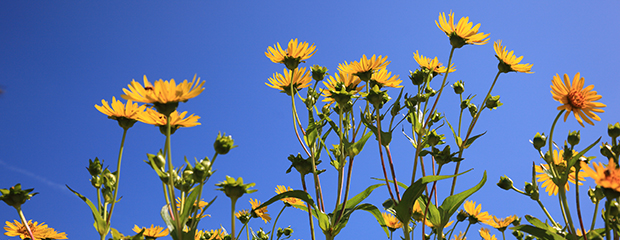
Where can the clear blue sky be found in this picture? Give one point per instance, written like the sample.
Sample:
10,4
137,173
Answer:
58,59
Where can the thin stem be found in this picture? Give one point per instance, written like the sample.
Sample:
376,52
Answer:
470,130
583,229
346,192
607,216
389,154
172,198
118,175
379,133
273,229
25,223
566,210
547,213
341,160
233,202
303,183
594,214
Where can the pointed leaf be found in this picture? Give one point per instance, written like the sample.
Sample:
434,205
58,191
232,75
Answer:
366,207
100,224
458,139
574,159
452,203
471,140
538,232
357,147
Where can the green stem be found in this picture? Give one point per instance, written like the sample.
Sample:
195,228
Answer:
470,130
118,176
607,216
594,214
25,223
583,229
273,229
341,160
171,176
547,213
303,183
566,210
387,183
233,202
551,135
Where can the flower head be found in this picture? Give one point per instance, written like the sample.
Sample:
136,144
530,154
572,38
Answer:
384,78
39,231
462,33
176,120
461,236
342,87
291,200
152,232
299,78
293,55
501,223
125,114
165,95
474,212
15,196
243,216
200,205
576,99
508,62
486,235
431,64
365,67
605,177
234,189
559,162
261,213
391,222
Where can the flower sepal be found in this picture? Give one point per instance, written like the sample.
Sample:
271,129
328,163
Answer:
15,196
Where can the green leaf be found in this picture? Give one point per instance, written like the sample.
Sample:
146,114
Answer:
452,203
538,232
189,202
366,207
390,181
356,148
100,224
471,140
433,215
574,159
413,192
386,137
413,142
458,139
359,197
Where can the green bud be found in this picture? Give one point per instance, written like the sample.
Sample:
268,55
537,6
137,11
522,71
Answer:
465,104
461,216
15,196
596,194
96,181
188,174
606,150
223,143
505,183
291,63
286,232
395,108
436,117
529,237
456,41
108,195
516,222
433,138
540,140
568,153
376,97
503,67
234,189
613,130
517,234
573,138
613,210
318,72
472,109
109,179
418,77
493,102
94,167
430,91
459,87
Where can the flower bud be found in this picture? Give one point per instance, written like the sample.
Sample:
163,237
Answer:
318,72
417,77
223,143
529,237
15,196
286,232
395,108
459,87
188,174
540,140
436,117
613,130
108,195
96,181
568,153
606,150
465,104
596,194
261,235
94,167
461,216
472,109
109,179
433,138
573,138
505,183
430,91
613,210
517,234
493,102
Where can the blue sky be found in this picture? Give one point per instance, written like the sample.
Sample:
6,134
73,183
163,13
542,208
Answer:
58,59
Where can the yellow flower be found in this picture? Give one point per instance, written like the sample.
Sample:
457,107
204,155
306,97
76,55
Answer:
176,120
461,236
484,233
429,224
201,207
365,67
605,177
385,79
162,91
299,79
119,110
295,53
474,212
39,231
462,33
152,232
261,213
342,87
391,222
576,99
431,64
508,61
501,223
558,160
291,201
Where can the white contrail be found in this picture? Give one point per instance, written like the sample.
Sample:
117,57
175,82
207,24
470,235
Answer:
52,184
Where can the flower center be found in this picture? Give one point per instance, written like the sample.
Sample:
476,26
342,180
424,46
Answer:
576,99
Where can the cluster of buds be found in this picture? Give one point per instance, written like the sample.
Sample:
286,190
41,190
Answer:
102,179
286,232
466,104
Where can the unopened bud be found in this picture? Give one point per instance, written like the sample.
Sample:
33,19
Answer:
573,138
458,87
505,183
493,102
613,130
223,143
540,140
